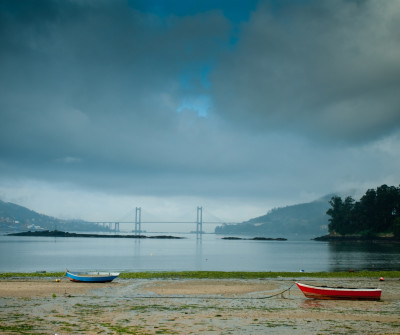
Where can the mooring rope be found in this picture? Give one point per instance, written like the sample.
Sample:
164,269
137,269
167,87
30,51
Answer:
209,298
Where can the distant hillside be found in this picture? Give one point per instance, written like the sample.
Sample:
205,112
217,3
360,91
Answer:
17,218
308,219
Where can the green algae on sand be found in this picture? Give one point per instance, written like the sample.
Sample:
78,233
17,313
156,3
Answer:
219,274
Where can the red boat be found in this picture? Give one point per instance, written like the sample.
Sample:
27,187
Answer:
323,292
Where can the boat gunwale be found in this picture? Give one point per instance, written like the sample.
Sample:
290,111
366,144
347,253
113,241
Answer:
94,274
92,278
340,289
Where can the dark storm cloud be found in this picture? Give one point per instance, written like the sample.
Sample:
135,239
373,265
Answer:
210,100
329,69
95,86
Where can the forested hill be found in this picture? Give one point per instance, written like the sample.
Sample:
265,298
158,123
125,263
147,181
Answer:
307,219
14,217
377,212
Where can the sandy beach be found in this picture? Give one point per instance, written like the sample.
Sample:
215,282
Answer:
130,306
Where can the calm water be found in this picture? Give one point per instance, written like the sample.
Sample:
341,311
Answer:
29,254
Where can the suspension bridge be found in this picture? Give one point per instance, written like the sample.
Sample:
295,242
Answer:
115,225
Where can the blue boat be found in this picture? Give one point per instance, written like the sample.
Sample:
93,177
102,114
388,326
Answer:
92,277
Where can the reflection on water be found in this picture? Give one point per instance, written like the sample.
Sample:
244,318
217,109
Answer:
345,256
199,253
209,253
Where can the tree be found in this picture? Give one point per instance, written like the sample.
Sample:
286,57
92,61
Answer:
367,213
335,214
341,221
348,226
386,207
378,211
396,228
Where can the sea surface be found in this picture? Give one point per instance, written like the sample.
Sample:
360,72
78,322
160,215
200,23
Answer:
210,253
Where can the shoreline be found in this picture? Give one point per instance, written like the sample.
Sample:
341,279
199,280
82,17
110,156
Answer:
192,306
58,233
357,238
216,274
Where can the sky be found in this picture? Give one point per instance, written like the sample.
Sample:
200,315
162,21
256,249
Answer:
236,106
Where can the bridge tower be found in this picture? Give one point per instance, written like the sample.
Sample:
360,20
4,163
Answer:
138,220
199,222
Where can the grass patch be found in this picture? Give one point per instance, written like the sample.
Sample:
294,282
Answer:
254,275
165,331
219,275
117,329
31,274
274,324
19,329
177,308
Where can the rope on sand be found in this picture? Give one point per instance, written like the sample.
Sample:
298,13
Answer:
213,297
280,293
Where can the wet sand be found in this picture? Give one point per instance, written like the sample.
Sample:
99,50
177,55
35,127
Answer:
192,307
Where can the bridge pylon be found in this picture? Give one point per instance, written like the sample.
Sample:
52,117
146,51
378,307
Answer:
138,221
199,222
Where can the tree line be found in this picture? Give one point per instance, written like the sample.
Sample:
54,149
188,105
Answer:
378,211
